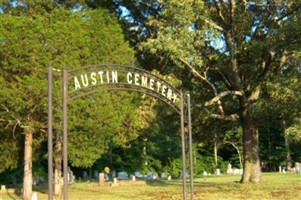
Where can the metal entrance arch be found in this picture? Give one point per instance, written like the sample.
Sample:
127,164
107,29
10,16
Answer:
87,80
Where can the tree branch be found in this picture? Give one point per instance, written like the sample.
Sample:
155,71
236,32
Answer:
214,25
238,152
232,117
219,96
204,78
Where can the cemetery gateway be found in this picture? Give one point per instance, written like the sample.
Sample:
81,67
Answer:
86,80
111,77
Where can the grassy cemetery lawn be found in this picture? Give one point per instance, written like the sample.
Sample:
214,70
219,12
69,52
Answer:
274,186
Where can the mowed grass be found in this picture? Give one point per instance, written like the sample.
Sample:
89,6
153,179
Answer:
274,186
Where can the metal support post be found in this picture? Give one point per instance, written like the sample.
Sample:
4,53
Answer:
183,148
190,148
65,125
50,150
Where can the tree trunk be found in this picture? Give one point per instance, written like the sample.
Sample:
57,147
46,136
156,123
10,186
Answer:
288,154
215,152
251,168
27,178
287,148
58,179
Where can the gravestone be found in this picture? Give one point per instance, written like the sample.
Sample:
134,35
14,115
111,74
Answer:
149,175
113,174
218,172
168,176
101,179
123,175
85,175
155,176
34,196
205,173
3,188
236,171
298,168
162,175
35,179
133,178
229,169
115,182
71,177
138,174
96,173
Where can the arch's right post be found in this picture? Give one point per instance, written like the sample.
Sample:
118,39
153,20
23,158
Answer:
190,147
183,148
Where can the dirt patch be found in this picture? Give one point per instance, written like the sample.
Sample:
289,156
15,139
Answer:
132,183
166,196
279,193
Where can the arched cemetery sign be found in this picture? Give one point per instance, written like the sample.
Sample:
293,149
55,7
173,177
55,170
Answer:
87,80
98,78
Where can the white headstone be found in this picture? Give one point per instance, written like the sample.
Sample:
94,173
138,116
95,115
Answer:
229,169
101,178
34,196
218,172
168,177
115,182
298,168
205,173
3,188
133,178
236,171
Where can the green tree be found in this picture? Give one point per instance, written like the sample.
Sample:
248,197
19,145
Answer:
63,38
23,88
234,49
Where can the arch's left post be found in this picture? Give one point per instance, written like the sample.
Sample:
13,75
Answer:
65,124
50,150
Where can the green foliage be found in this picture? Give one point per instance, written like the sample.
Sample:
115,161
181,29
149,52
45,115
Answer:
10,150
294,131
242,57
63,39
204,161
99,125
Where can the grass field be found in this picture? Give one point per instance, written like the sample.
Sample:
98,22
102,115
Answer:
274,186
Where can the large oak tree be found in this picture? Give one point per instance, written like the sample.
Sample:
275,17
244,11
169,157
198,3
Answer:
234,49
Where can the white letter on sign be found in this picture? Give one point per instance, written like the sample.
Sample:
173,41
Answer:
93,74
136,79
76,83
129,75
85,81
114,77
